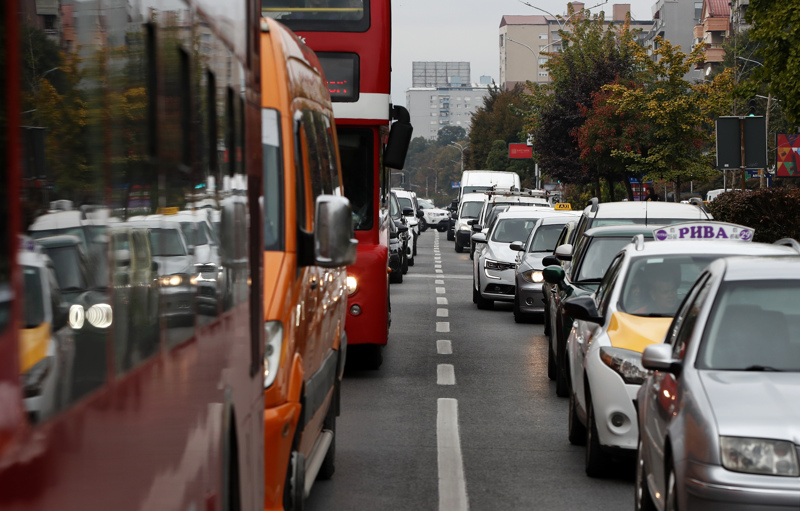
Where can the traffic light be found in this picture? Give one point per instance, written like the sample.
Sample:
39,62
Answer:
752,105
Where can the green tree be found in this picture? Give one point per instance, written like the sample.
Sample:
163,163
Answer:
498,119
449,134
776,25
593,55
680,115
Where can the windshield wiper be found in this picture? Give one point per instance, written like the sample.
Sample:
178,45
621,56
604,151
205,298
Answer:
763,368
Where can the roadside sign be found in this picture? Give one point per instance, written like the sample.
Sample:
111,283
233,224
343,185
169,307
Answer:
704,231
455,184
563,205
520,151
730,141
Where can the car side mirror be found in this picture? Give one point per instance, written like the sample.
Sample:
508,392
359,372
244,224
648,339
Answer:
408,212
517,245
551,260
472,221
658,357
583,308
564,252
334,241
402,229
553,274
190,249
479,238
477,227
420,214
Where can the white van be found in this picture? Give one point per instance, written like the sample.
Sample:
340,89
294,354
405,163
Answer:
481,180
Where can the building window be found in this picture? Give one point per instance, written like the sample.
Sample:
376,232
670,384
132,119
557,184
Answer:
542,61
698,11
542,73
542,36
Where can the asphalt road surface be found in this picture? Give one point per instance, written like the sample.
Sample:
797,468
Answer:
461,415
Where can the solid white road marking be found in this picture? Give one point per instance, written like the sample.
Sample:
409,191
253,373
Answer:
452,485
444,347
441,300
442,313
445,374
442,326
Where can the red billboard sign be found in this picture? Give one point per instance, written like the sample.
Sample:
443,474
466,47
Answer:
520,151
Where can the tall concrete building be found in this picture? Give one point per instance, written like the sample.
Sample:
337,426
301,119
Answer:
524,40
442,95
674,21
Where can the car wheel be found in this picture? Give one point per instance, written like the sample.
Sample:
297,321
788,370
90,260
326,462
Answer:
396,277
475,293
423,225
404,265
596,460
372,356
672,490
481,302
643,500
576,431
519,316
414,251
411,260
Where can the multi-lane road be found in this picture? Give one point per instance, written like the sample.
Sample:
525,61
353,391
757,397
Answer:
461,415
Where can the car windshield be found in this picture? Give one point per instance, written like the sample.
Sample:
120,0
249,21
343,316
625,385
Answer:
598,256
545,237
424,205
66,261
655,286
508,230
405,202
753,326
71,231
166,243
471,209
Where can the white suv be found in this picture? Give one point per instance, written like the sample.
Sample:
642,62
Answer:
433,217
409,200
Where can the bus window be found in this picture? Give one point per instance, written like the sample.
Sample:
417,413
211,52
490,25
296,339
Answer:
355,150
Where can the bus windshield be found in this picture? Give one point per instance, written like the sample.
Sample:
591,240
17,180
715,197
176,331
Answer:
319,15
355,151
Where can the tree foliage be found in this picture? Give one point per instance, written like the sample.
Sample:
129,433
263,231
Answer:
498,119
776,25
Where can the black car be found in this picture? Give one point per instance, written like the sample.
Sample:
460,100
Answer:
398,236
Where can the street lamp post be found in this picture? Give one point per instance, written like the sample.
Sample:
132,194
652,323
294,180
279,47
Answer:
460,148
766,117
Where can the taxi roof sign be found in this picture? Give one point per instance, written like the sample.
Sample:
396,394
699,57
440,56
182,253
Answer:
704,231
563,205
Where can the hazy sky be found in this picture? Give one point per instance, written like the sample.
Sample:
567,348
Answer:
465,30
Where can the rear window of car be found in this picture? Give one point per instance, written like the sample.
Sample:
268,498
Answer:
598,256
545,237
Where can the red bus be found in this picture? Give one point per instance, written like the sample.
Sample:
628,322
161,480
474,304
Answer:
131,342
352,39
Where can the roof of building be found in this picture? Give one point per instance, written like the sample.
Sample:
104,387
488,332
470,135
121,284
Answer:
718,8
535,19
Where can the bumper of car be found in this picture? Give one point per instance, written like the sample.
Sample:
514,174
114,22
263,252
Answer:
497,285
530,296
463,237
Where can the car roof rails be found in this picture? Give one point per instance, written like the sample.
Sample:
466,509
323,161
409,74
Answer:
593,203
789,242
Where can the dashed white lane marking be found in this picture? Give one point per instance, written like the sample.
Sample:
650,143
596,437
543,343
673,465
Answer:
440,291
439,271
444,347
441,300
439,282
437,266
442,326
452,485
445,374
442,313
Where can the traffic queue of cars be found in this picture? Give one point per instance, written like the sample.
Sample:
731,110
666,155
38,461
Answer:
675,338
407,224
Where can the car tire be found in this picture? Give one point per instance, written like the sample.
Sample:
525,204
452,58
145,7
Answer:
472,251
643,501
481,302
411,260
596,461
450,235
396,277
414,250
562,387
404,265
475,293
519,316
576,431
423,225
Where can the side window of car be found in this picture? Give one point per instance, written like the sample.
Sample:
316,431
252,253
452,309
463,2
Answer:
607,284
577,249
682,327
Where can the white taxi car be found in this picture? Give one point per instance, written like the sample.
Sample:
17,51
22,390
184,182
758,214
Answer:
631,309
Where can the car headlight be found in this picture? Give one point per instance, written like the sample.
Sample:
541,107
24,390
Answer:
176,280
77,316
626,363
759,456
273,342
534,276
464,228
352,285
498,265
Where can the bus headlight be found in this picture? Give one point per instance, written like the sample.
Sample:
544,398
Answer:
100,315
273,344
352,285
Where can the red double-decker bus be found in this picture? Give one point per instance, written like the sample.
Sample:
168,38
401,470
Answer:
131,315
352,39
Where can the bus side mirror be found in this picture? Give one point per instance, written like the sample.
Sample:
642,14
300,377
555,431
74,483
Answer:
334,242
394,154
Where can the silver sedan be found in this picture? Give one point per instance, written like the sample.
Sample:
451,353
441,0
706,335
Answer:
719,419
